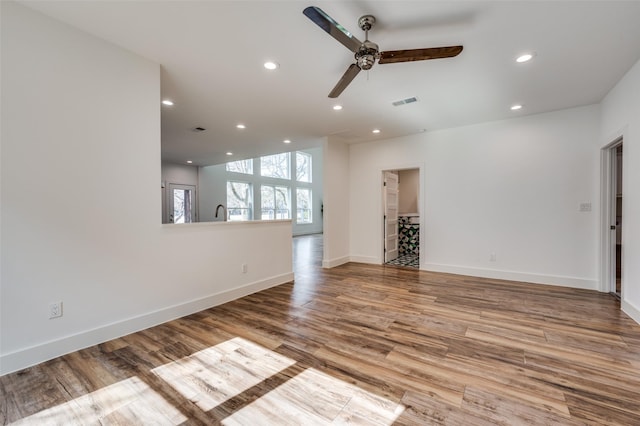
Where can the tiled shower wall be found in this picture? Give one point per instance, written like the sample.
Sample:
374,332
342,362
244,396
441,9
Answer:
408,236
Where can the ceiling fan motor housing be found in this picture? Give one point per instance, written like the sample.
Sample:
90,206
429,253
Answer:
366,55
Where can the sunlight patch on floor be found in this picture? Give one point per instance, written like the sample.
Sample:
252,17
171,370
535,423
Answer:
129,401
315,398
212,376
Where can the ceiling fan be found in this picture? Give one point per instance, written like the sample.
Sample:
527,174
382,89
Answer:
367,52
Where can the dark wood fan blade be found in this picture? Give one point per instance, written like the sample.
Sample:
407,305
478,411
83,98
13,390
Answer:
347,77
419,54
334,29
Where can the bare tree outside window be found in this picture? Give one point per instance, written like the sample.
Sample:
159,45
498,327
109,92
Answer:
241,166
239,201
276,166
303,201
303,167
275,202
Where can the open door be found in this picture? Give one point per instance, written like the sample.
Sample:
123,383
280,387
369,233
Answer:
390,196
616,220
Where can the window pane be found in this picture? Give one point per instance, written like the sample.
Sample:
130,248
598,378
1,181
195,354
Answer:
303,199
275,202
283,209
276,166
242,166
239,201
182,206
303,167
268,203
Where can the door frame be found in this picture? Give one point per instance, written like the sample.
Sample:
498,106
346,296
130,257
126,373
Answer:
608,185
421,209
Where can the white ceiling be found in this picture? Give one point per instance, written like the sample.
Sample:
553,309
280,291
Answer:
211,53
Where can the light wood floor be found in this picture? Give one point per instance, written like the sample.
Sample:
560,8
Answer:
358,343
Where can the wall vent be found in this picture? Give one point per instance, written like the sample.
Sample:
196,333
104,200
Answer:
405,101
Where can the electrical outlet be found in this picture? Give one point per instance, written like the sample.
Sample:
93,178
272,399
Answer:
245,268
585,207
55,310
492,257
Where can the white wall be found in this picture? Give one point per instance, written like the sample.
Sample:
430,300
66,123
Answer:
621,117
80,206
181,174
510,187
336,203
212,182
408,189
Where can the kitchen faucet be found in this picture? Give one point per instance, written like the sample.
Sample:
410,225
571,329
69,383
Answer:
224,211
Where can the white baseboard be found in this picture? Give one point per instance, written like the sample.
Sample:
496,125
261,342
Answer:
365,259
332,263
631,310
573,282
28,357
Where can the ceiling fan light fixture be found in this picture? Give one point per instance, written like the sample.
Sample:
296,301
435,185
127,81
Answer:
189,162
229,153
287,141
337,107
241,126
525,57
516,107
375,131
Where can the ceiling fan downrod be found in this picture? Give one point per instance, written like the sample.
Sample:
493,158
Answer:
368,52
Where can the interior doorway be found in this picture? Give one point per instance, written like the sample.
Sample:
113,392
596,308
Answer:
616,287
401,194
614,245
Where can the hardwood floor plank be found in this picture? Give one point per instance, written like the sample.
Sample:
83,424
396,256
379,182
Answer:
468,374
504,410
423,410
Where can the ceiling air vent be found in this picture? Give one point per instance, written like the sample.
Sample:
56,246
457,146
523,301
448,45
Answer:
199,129
405,101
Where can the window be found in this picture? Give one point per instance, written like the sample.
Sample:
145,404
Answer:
303,167
241,166
276,166
303,200
239,201
275,202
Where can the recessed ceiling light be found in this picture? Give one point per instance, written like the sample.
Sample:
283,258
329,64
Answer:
241,126
229,153
167,102
189,162
524,57
286,141
375,131
516,107
270,65
337,107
